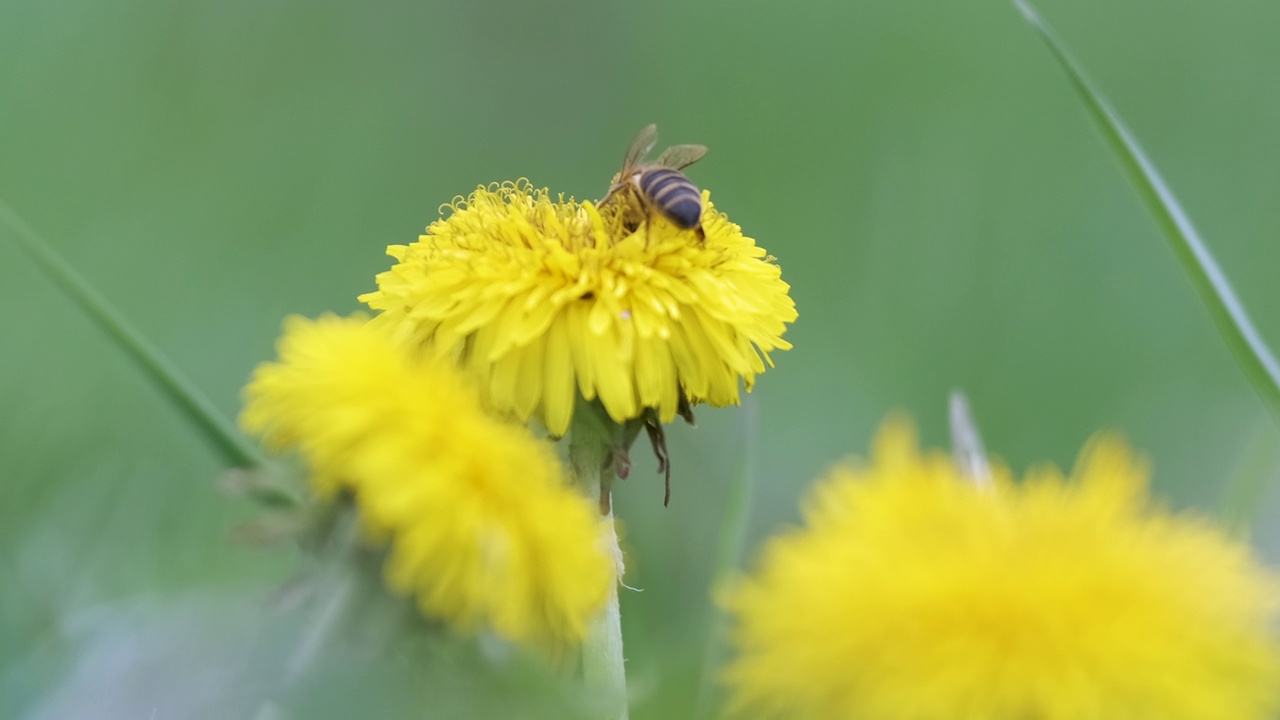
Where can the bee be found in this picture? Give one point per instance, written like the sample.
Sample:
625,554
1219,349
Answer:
660,185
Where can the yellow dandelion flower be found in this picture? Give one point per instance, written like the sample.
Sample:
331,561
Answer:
911,593
539,300
484,530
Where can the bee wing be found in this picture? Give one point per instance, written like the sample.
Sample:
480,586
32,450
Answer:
677,157
641,146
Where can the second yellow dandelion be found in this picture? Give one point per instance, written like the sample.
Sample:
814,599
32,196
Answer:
913,594
484,530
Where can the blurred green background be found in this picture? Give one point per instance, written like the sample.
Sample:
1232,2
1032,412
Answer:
942,207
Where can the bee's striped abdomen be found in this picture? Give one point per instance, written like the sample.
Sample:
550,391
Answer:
671,194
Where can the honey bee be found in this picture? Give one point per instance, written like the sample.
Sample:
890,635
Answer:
660,185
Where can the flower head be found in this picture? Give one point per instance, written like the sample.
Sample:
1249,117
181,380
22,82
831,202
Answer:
484,530
539,300
911,593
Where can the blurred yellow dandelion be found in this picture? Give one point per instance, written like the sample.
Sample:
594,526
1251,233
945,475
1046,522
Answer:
911,593
483,528
539,300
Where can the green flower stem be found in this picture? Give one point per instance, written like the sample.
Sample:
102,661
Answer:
591,443
194,405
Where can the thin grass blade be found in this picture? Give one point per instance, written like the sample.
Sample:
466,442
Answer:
1246,344
967,450
193,404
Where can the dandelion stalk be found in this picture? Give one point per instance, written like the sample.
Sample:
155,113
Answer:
193,404
591,445
1243,339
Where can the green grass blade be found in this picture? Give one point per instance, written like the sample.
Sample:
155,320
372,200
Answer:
967,450
1246,344
194,405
